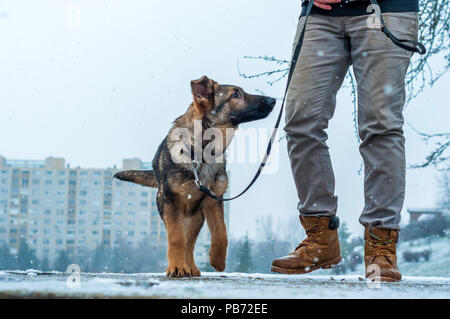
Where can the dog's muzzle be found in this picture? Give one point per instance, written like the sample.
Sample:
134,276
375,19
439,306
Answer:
267,106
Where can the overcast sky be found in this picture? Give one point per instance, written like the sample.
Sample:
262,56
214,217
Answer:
107,83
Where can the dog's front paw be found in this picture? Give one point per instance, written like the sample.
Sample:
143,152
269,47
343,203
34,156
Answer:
178,271
218,265
217,261
195,272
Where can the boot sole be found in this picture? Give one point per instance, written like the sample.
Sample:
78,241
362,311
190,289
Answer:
326,265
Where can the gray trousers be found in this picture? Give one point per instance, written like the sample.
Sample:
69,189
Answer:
330,46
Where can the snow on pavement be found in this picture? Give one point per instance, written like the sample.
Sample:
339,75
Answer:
32,283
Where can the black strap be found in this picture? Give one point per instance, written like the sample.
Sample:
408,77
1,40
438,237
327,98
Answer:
277,124
416,45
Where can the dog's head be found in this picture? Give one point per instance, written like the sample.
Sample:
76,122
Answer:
228,105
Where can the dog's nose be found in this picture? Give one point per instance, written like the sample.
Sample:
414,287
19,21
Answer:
270,101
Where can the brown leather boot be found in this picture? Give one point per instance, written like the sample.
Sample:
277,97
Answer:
380,251
320,249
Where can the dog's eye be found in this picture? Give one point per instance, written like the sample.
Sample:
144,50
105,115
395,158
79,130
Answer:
236,95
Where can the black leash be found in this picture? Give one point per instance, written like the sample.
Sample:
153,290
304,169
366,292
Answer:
402,43
195,165
418,47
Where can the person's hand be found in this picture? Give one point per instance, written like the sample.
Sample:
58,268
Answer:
323,4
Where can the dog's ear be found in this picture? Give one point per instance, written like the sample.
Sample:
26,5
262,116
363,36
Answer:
203,91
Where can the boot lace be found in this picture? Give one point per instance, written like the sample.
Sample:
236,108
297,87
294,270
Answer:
312,236
380,246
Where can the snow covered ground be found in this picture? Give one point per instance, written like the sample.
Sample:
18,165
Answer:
214,285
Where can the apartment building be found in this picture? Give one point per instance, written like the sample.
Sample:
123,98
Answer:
55,207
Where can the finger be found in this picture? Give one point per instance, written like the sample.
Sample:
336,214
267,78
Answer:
329,1
322,6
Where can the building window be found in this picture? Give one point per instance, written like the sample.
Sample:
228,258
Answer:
84,183
144,204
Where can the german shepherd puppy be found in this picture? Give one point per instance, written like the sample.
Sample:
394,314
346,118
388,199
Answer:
181,205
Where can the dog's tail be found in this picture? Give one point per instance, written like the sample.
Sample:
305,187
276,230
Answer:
144,178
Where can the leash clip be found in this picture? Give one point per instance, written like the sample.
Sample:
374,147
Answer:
194,168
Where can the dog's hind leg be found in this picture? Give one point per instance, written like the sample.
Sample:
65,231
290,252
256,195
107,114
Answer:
213,211
193,225
176,250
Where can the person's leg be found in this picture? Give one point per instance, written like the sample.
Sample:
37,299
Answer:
311,100
380,68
